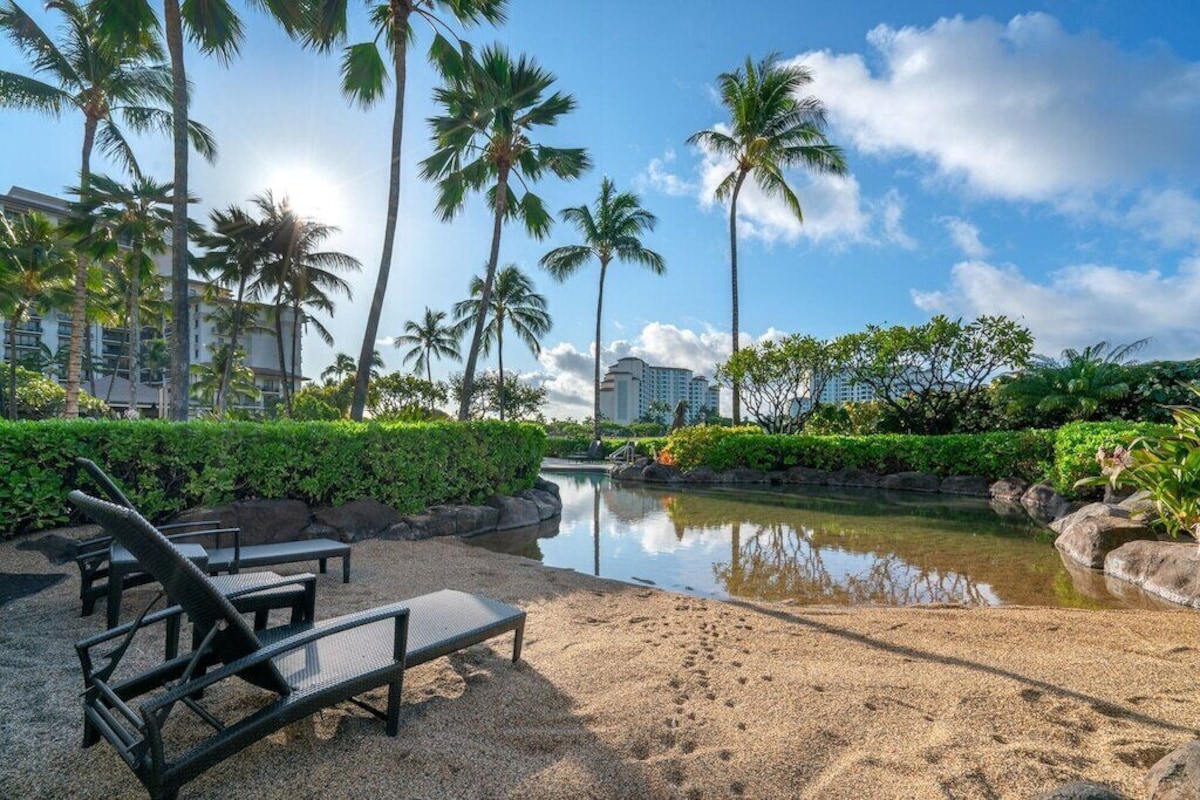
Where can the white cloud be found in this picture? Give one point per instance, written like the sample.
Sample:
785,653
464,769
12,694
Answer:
1018,110
658,177
1081,304
892,207
965,236
1169,217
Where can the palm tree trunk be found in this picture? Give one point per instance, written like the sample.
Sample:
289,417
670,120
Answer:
733,273
135,328
400,46
429,374
485,297
91,362
180,345
227,372
596,377
79,305
287,399
12,360
500,359
294,360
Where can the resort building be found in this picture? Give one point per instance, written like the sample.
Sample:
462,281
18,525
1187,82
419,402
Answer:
839,389
44,340
631,387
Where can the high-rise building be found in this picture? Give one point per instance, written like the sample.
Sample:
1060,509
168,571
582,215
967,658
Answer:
631,387
106,353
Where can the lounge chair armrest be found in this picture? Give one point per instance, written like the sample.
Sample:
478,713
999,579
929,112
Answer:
211,523
122,630
395,611
90,548
216,533
280,580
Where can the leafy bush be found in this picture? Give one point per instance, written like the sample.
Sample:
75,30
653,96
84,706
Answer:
1025,454
167,467
40,397
309,407
563,446
1076,445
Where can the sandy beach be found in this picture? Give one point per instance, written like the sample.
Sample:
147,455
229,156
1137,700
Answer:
627,691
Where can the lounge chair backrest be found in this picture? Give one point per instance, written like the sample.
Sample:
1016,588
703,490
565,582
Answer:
114,493
185,585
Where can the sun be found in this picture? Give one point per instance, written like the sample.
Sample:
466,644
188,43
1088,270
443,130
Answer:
311,192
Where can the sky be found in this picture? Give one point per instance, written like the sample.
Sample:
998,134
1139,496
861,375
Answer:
1035,159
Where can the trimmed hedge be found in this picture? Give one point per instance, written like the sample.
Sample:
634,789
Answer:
166,467
1076,444
1024,454
563,446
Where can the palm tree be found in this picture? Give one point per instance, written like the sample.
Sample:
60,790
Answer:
207,379
1075,386
114,216
484,140
513,302
106,79
612,230
35,275
344,366
771,127
364,77
430,338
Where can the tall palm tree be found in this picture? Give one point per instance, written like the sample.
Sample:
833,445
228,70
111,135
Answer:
126,224
364,78
207,379
512,302
107,80
35,275
343,366
613,229
771,127
431,337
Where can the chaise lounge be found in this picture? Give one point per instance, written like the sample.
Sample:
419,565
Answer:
307,666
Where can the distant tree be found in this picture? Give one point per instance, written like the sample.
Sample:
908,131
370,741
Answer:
308,406
771,127
516,399
656,411
1080,385
431,337
398,396
927,375
207,377
344,366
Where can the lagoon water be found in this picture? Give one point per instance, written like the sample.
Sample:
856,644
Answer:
810,546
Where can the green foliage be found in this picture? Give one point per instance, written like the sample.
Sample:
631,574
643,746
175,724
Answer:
1024,454
563,446
167,467
1076,445
1156,386
402,397
520,400
308,406
40,397
1081,385
846,419
773,375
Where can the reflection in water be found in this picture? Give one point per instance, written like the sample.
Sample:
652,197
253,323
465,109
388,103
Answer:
808,546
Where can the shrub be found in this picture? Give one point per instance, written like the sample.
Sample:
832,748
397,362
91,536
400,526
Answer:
309,407
690,447
1076,445
563,446
167,467
40,397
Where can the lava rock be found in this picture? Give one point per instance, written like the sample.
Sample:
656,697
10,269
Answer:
1089,540
1170,570
358,519
1012,489
970,485
1045,504
700,474
661,473
549,487
548,506
1114,496
1139,503
267,521
856,478
1176,776
515,512
629,472
807,475
742,475
1082,790
1089,511
912,482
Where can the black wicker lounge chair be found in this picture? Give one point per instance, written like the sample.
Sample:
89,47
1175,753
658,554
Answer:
307,667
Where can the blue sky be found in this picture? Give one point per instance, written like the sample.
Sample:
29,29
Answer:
1033,159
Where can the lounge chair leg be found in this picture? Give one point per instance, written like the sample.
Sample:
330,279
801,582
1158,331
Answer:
346,568
260,620
172,638
90,733
321,563
393,708
89,606
517,639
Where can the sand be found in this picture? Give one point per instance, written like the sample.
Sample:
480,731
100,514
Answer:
626,691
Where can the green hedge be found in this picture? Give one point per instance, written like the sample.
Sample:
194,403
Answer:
563,446
167,467
1025,454
1076,444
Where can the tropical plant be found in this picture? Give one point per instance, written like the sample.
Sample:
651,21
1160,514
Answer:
35,276
396,396
514,399
613,228
207,378
107,79
485,139
431,337
1081,385
771,128
364,78
345,367
512,302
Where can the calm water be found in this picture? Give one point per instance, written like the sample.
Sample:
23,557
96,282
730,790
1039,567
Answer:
810,546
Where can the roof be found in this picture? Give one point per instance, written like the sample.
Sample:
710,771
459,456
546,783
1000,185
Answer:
119,396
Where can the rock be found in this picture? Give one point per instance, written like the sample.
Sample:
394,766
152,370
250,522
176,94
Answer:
775,477
912,482
548,486
1139,503
807,475
358,519
629,472
1089,511
1044,504
224,516
661,473
971,485
643,462
1170,570
430,524
1114,496
700,474
1012,489
266,521
547,505
742,475
1009,508
319,530
401,531
474,520
515,512
1176,776
1087,541
855,478
1082,790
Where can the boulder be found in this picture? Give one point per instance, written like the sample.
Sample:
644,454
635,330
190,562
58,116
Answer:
515,512
1044,504
1082,790
1012,489
628,472
700,474
970,485
661,473
807,475
856,478
225,516
1176,776
1089,540
912,482
1114,496
548,486
776,477
742,475
319,530
1170,570
358,519
1089,511
267,521
430,523
473,520
401,531
1139,503
548,506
